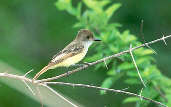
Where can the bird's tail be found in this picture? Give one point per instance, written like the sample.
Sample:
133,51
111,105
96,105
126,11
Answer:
41,72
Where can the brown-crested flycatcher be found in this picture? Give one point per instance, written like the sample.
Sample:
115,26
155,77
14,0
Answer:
72,53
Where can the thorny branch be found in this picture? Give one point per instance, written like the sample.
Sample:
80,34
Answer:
44,82
23,78
102,60
107,89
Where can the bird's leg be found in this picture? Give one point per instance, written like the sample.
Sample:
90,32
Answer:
81,64
67,71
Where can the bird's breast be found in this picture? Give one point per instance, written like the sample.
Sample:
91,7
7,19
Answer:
75,59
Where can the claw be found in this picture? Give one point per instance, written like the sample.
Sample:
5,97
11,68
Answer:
86,63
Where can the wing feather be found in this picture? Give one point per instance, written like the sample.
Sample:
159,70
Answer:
70,50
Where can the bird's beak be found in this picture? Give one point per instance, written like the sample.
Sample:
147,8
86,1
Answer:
97,39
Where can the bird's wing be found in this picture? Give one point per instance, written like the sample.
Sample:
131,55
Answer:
70,50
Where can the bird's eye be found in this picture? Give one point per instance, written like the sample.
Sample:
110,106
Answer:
88,37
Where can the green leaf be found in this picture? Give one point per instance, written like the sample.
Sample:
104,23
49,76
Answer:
126,66
168,96
93,57
95,16
92,4
127,37
107,83
143,52
63,4
132,81
111,10
95,5
150,92
132,73
77,25
78,15
111,72
131,99
67,5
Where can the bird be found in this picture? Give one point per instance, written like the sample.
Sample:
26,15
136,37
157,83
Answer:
72,53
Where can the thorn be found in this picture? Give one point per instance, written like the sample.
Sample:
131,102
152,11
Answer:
125,88
142,34
105,64
141,29
150,48
67,73
28,72
29,87
164,40
86,63
73,85
141,94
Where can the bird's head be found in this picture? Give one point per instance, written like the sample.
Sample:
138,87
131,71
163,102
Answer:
85,35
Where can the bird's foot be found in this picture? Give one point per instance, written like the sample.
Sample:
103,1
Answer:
86,63
67,73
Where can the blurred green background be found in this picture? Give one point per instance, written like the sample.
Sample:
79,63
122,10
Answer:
32,31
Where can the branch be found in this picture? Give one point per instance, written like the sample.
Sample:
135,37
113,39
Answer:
136,65
57,94
45,84
23,78
107,89
102,60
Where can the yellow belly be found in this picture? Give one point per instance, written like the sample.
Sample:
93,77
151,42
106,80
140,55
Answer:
70,61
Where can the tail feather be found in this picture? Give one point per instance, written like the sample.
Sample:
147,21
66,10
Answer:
41,72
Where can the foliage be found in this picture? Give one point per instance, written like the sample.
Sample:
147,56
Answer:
96,15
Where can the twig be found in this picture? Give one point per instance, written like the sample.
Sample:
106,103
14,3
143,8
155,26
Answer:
102,60
136,66
141,94
44,82
28,72
107,89
15,77
57,94
29,87
23,78
151,49
73,85
39,95
161,93
78,85
26,82
142,34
